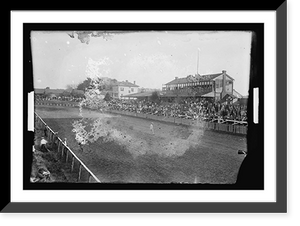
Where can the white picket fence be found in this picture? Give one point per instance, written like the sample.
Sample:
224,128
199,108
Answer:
67,156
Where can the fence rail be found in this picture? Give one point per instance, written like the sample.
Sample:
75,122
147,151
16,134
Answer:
235,129
67,156
68,104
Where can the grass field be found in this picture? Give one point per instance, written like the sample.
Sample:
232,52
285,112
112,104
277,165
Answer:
174,153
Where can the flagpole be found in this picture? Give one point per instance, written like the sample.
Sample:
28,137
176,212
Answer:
197,61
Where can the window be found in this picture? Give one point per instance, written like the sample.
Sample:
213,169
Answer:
132,89
121,89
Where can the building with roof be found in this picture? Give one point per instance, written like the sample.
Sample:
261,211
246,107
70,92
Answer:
121,89
210,86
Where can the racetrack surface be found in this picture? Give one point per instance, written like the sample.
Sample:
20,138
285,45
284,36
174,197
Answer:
174,153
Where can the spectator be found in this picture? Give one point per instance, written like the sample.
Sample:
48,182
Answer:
43,145
152,128
190,108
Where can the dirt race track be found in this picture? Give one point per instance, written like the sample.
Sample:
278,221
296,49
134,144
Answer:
133,154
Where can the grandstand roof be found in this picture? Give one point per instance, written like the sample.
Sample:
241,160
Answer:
195,78
237,94
185,94
143,94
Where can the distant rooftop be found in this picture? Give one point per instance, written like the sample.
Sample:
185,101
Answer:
126,83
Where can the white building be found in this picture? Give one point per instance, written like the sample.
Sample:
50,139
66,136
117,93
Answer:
121,89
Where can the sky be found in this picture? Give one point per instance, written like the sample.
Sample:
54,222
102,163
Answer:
150,58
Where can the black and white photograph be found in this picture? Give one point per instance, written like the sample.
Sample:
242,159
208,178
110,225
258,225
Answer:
145,107
148,111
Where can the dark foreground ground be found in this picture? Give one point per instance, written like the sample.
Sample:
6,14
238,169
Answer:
174,153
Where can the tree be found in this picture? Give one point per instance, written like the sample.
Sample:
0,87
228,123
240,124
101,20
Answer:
107,97
85,84
108,84
71,86
155,97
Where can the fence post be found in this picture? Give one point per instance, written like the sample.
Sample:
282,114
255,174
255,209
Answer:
230,128
51,136
79,173
217,126
72,165
62,153
84,175
67,153
58,146
76,166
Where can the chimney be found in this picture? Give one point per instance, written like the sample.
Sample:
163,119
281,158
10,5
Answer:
176,77
224,79
134,82
224,84
126,80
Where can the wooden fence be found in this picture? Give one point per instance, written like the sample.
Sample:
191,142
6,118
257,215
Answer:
68,157
63,104
228,128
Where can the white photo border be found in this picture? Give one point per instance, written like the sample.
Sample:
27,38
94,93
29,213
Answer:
268,195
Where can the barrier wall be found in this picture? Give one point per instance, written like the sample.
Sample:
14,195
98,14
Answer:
235,129
67,156
67,104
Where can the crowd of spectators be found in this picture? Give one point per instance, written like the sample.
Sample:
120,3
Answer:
189,108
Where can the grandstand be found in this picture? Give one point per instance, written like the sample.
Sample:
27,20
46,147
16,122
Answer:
215,86
209,97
